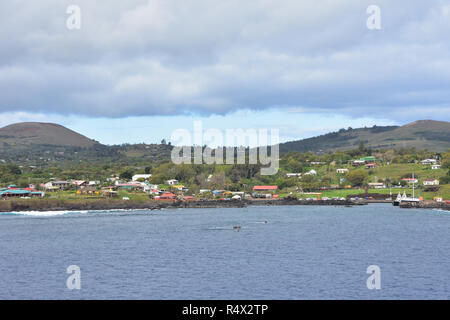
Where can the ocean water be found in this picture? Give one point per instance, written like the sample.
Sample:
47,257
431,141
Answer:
285,252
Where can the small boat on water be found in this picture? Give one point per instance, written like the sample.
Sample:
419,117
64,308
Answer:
405,198
396,202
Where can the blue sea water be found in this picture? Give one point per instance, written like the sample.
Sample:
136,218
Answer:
302,252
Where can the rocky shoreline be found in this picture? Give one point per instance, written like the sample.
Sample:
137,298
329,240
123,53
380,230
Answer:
107,204
110,204
425,205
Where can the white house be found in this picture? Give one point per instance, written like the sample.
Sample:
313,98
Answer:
48,186
149,188
311,172
79,183
136,177
341,170
172,182
291,175
435,166
428,161
430,182
377,185
56,185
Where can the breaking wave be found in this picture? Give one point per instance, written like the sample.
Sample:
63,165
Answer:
66,212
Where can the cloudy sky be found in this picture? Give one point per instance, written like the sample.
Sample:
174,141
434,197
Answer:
136,70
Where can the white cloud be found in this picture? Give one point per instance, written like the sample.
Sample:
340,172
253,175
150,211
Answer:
164,57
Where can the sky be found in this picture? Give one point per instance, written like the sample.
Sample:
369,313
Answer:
137,70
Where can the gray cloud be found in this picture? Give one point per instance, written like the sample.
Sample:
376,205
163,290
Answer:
201,56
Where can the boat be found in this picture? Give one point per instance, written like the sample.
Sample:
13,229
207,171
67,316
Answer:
396,202
404,198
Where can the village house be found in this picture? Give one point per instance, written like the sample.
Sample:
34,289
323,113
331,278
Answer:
112,179
356,163
172,182
180,187
376,185
341,170
167,196
150,188
428,161
79,183
264,195
371,165
368,159
13,192
129,186
291,175
109,193
430,182
410,180
60,184
435,167
56,185
311,172
136,177
265,188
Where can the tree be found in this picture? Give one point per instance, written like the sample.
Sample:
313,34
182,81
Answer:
307,178
446,160
357,177
126,175
445,179
13,169
159,178
361,147
147,169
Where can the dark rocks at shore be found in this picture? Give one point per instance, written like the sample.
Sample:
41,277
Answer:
425,205
295,202
107,204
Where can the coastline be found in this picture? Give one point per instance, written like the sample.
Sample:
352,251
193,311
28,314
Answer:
108,204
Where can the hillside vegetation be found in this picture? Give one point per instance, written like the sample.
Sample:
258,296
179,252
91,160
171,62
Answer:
27,134
422,134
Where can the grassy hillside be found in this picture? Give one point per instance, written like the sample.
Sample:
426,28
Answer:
26,134
422,134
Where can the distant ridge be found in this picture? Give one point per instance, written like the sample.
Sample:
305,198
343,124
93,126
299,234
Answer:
421,134
24,134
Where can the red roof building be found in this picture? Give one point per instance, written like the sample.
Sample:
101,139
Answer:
168,196
265,188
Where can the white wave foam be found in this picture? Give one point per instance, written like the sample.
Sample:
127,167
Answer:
64,212
440,210
41,213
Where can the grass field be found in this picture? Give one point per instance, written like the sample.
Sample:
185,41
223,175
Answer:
397,171
444,192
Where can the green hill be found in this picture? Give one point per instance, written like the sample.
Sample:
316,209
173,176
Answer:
422,134
26,134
